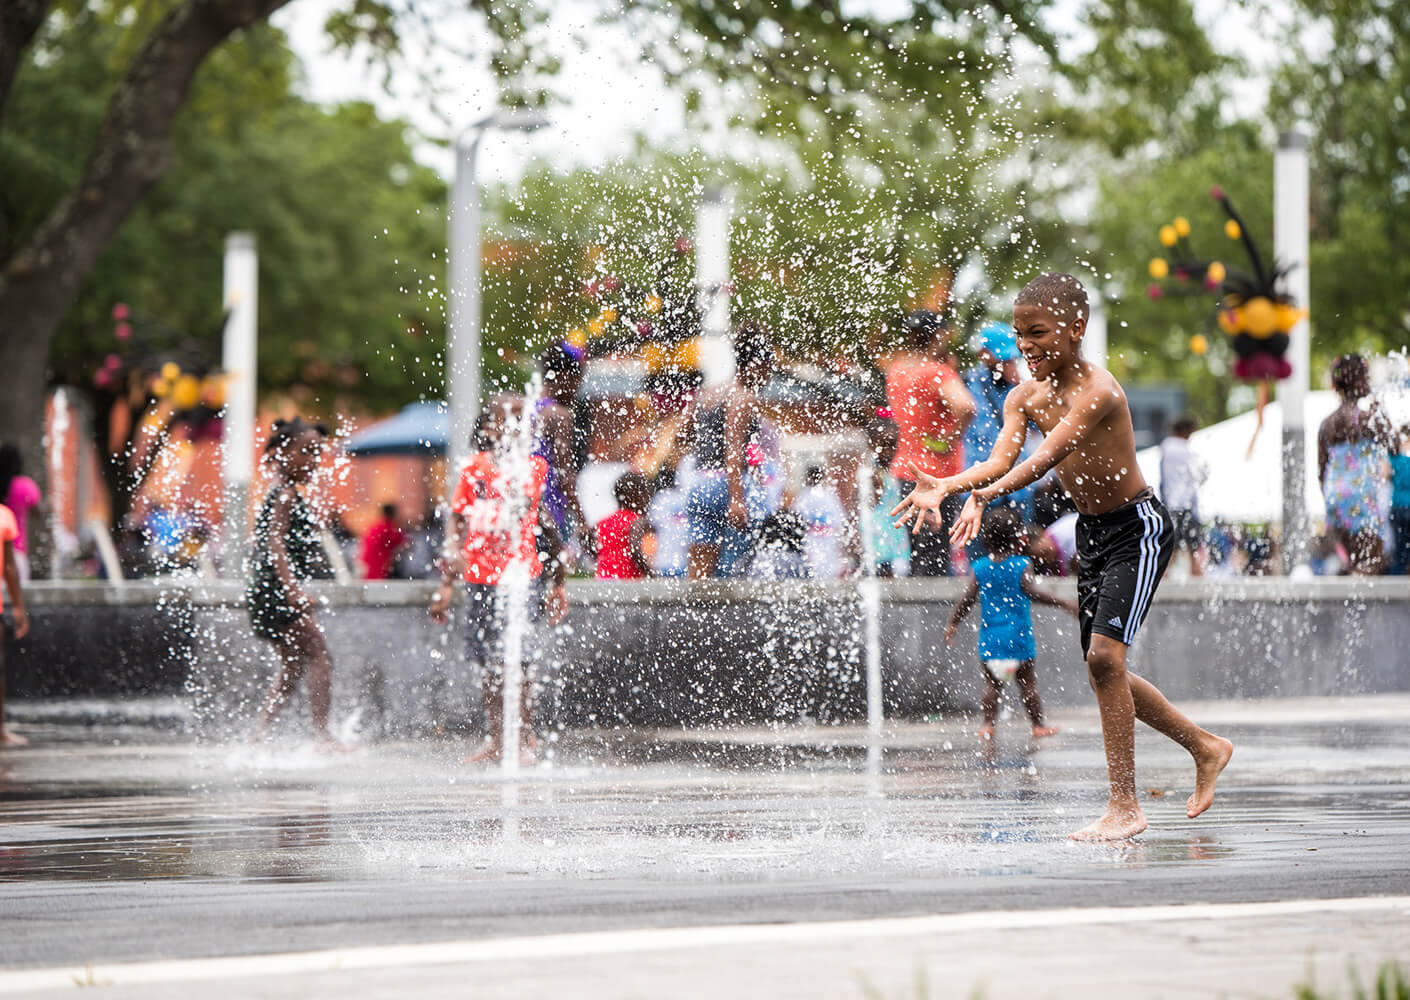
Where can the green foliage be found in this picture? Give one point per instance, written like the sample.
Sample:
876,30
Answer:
1344,68
349,224
1391,983
875,158
1149,339
1348,75
1153,75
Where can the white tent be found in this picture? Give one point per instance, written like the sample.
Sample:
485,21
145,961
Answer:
1246,487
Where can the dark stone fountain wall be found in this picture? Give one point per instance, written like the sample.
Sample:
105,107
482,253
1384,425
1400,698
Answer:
665,653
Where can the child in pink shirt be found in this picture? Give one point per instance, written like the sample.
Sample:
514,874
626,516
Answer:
9,531
21,494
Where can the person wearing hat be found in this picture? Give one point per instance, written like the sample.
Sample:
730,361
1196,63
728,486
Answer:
989,383
932,408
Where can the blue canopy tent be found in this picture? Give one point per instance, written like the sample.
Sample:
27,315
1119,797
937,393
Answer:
419,429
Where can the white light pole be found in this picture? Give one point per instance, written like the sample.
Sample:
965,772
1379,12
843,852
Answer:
1094,343
712,217
1290,226
463,330
238,359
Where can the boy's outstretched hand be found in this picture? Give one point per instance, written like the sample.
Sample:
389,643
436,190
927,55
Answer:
966,527
923,501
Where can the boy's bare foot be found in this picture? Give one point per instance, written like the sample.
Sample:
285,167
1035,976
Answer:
10,738
1041,731
986,733
1117,823
490,751
1208,765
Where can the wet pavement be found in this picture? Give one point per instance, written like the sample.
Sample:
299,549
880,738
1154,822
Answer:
752,862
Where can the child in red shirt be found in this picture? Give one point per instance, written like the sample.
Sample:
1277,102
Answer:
620,535
495,527
9,531
381,544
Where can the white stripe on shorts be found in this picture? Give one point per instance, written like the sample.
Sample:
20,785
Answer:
1149,569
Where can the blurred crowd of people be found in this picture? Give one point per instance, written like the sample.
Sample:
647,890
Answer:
705,484
683,479
666,476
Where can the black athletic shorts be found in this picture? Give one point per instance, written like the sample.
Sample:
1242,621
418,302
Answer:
486,614
1121,556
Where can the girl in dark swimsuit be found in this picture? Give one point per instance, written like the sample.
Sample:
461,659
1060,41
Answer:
288,552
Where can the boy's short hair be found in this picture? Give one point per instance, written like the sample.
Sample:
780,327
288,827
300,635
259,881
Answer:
560,363
630,485
1001,529
1061,294
922,326
389,510
1350,376
497,409
285,431
1184,426
753,346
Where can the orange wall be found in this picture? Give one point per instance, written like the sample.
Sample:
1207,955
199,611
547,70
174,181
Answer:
188,475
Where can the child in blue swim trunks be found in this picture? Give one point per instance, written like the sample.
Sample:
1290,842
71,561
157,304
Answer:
1003,585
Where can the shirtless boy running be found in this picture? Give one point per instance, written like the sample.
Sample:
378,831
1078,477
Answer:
1124,535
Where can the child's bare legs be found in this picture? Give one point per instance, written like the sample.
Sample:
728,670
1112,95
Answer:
1211,753
990,704
1027,681
493,687
303,652
291,669
701,561
1121,698
1106,671
7,737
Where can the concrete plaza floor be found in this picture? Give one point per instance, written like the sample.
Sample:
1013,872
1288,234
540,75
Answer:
768,863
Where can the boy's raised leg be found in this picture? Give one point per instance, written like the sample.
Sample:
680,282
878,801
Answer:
1211,753
1106,670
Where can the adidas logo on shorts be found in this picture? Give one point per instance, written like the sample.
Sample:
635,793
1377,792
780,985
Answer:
1115,621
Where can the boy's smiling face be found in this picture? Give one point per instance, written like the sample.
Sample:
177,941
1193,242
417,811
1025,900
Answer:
1048,341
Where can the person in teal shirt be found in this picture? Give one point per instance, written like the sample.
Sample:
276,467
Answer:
1400,503
890,546
1003,585
989,383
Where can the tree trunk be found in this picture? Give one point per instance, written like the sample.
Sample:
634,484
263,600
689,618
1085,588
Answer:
40,281
19,20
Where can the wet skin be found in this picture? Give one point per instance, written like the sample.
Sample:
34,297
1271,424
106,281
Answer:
1090,445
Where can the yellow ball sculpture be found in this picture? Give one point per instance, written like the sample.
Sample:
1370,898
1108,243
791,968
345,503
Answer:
213,391
1287,316
1168,236
1199,343
186,392
1260,317
1159,268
